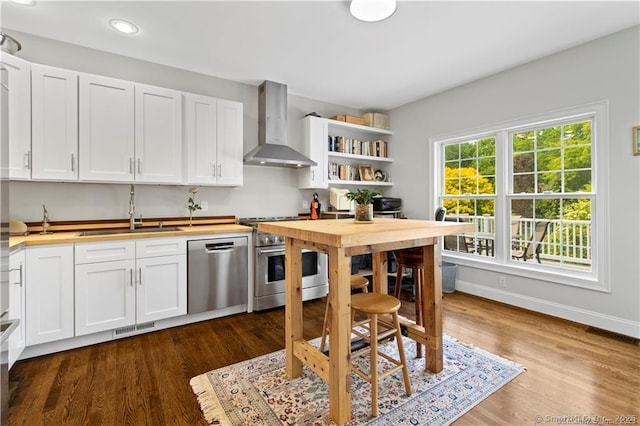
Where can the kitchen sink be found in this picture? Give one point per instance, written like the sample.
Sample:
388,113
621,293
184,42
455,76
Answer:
127,231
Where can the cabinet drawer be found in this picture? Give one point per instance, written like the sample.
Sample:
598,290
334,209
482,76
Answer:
153,247
105,252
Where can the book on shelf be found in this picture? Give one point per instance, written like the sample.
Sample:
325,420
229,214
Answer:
345,145
339,171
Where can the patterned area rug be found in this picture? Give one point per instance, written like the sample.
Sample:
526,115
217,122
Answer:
258,392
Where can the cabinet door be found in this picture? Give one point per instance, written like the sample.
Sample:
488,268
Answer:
106,129
162,288
230,143
49,294
17,304
315,139
54,115
19,115
201,138
105,296
158,135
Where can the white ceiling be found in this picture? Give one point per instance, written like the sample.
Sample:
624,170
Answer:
320,51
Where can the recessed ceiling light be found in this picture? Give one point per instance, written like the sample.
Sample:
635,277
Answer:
123,26
25,2
372,10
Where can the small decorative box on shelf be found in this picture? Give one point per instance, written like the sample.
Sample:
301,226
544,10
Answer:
374,119
349,119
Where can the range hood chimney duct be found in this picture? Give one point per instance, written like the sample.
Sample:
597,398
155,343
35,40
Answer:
272,149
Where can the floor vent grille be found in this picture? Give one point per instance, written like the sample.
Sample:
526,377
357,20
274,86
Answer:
613,335
124,330
133,329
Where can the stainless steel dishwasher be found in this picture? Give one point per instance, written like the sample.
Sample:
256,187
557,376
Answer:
217,275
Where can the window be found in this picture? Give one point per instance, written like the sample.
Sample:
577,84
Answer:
530,190
551,194
469,192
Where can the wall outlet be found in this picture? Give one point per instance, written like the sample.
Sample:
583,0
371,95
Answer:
204,206
502,282
304,205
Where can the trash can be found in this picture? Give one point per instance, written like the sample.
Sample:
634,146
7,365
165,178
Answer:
449,274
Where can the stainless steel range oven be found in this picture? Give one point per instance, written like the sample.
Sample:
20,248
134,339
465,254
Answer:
269,264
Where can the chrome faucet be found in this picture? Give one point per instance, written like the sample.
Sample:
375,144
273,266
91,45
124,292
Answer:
132,210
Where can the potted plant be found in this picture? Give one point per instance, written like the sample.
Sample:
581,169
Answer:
364,204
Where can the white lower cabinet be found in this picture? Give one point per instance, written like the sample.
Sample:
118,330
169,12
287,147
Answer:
17,290
49,294
123,283
105,296
162,288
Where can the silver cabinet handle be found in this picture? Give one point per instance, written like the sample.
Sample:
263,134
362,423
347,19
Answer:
131,277
139,165
19,282
73,162
140,275
27,160
130,165
219,170
213,170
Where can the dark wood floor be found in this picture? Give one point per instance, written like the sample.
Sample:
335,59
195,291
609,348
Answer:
145,379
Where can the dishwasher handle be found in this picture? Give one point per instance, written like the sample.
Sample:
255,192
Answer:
224,247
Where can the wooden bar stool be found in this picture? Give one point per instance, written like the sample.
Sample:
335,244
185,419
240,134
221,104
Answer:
411,258
358,282
373,305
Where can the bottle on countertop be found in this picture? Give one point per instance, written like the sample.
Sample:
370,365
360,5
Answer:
315,207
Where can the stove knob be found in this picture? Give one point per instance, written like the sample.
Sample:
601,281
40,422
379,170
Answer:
264,239
278,239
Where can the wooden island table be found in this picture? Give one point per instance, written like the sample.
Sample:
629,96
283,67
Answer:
341,239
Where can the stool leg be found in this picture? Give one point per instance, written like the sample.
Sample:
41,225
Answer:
325,326
398,288
419,319
403,358
374,364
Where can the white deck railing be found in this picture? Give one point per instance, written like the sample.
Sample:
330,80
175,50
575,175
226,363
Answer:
566,241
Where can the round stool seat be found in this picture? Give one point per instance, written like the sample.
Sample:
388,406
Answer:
359,282
410,258
375,303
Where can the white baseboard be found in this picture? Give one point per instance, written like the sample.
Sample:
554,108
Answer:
582,316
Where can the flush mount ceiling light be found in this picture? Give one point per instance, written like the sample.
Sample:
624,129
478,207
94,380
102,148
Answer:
372,10
123,26
25,2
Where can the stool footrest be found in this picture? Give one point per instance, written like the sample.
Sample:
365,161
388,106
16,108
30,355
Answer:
356,345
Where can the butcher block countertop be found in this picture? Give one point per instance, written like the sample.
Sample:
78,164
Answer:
346,233
66,234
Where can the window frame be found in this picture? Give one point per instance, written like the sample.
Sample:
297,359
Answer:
599,276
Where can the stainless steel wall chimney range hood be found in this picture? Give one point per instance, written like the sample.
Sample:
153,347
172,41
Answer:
272,149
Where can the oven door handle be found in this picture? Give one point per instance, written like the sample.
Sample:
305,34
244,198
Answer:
268,251
278,250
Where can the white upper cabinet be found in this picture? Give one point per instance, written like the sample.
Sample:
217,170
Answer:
315,134
54,123
158,134
129,132
19,115
106,129
214,140
229,142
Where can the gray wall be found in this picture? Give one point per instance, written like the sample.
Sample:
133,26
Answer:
604,69
267,191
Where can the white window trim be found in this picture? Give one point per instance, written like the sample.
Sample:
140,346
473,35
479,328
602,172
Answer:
599,278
